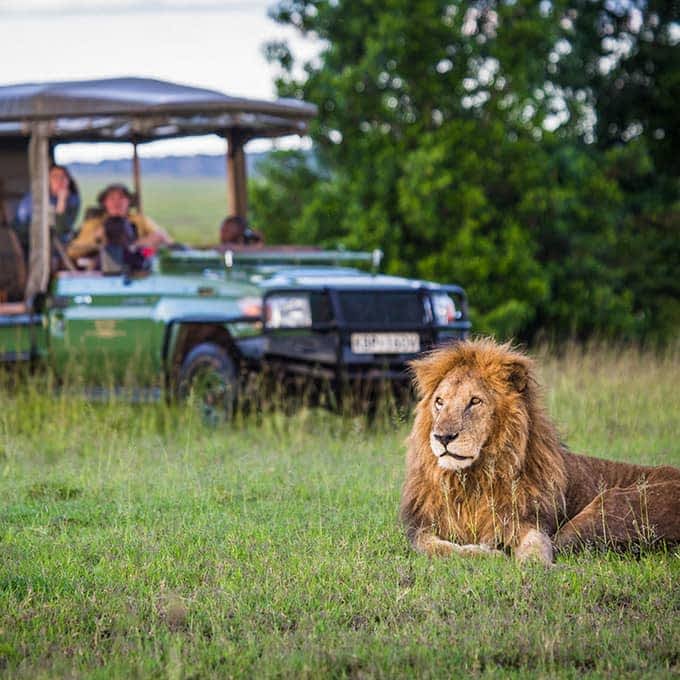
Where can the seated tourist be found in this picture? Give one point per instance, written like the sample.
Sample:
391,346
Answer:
64,204
234,230
117,226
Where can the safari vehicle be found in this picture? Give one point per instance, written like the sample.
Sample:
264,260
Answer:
203,320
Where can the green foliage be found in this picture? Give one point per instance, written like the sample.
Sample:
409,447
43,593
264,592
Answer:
435,141
625,64
282,191
136,543
648,248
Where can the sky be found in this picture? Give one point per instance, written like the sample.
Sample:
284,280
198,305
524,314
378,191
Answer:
206,43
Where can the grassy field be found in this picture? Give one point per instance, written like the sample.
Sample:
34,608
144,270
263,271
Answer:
136,543
191,209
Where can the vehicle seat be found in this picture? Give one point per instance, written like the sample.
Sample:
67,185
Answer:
12,267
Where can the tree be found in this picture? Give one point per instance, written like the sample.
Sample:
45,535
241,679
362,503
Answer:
623,60
481,143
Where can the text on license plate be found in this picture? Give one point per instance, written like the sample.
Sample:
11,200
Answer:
385,343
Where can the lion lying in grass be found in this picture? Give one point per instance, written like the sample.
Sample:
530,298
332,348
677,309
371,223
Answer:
486,469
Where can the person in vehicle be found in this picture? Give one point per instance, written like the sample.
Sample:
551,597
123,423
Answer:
116,225
62,211
234,230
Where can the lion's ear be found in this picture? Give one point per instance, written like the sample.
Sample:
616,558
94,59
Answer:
429,370
518,375
424,379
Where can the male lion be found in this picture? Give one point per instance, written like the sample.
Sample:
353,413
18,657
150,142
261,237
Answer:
486,469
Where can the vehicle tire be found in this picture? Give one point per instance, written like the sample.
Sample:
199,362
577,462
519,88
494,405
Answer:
208,381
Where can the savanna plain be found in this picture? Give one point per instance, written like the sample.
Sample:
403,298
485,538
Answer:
189,208
137,542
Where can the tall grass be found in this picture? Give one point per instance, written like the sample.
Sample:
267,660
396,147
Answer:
615,402
134,542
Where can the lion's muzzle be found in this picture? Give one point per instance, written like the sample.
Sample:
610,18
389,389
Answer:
445,439
450,450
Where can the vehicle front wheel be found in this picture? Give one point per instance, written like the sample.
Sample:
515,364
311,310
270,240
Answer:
208,382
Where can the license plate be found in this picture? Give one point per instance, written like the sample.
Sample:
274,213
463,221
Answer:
385,343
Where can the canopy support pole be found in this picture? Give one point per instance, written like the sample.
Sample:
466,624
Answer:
39,238
237,197
136,177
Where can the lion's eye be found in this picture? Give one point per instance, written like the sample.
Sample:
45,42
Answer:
438,403
475,400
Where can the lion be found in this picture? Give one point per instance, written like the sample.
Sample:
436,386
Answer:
486,472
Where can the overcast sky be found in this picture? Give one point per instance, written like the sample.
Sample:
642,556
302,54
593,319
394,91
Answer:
206,43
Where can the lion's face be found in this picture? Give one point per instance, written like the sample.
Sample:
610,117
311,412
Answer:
462,420
474,398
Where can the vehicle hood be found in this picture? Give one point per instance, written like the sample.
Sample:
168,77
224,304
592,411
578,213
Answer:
159,285
334,277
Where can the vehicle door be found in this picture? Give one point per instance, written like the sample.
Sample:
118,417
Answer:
104,329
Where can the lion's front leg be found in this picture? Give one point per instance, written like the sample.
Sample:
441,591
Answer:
534,545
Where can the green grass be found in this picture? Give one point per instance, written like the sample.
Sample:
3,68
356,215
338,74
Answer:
190,209
136,543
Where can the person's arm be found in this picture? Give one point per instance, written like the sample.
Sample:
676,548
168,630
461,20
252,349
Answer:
22,221
88,241
150,234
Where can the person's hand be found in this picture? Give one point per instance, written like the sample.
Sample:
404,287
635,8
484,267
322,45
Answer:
62,193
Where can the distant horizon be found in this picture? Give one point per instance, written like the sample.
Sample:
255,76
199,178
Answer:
160,158
177,165
160,153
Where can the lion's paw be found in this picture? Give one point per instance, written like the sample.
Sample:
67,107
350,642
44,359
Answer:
472,549
440,548
535,546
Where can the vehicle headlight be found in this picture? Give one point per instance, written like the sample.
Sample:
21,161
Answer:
288,311
444,309
251,306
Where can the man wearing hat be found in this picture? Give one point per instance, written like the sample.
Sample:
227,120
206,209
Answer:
138,230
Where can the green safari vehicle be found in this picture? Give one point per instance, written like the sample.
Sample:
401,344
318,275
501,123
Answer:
207,322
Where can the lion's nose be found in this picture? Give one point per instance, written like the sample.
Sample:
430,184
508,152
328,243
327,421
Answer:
445,439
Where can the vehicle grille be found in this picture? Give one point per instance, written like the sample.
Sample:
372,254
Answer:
382,308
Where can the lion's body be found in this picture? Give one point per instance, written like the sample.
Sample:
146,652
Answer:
486,469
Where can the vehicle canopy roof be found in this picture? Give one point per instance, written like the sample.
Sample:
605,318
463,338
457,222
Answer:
143,109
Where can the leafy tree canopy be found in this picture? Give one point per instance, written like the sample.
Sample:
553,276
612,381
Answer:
527,150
